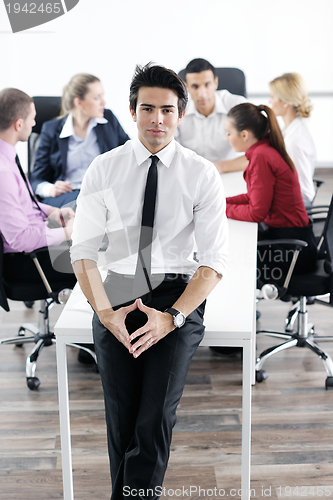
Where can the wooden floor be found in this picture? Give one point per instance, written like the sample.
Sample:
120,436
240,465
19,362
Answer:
292,422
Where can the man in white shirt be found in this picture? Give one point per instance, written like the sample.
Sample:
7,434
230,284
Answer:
202,128
147,331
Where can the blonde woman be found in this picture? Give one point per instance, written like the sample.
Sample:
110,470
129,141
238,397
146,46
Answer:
289,100
69,143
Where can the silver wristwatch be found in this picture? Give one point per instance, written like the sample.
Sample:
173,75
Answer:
178,317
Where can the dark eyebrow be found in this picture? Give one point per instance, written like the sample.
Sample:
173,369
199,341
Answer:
152,105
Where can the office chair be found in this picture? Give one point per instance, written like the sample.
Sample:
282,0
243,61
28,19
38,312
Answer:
317,183
232,79
47,108
41,336
316,283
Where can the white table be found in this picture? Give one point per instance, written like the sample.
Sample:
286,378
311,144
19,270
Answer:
229,320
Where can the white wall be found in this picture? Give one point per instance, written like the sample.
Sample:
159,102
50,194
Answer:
108,37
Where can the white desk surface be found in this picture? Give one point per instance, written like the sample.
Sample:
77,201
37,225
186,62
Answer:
228,307
228,310
229,320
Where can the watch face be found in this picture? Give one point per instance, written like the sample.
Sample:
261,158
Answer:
179,320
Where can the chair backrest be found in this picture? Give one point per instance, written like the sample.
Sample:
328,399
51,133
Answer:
3,296
232,79
47,108
327,234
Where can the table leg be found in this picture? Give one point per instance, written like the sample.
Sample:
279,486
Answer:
65,436
246,419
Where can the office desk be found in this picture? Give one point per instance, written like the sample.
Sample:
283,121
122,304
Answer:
229,320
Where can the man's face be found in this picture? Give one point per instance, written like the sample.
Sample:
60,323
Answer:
27,124
202,88
156,116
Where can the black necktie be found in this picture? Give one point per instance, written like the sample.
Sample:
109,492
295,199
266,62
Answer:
32,196
143,267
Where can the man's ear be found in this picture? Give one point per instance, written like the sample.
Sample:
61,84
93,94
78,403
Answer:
18,124
216,80
181,117
133,114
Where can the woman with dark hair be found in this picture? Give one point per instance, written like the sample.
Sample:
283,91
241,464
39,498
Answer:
273,195
69,143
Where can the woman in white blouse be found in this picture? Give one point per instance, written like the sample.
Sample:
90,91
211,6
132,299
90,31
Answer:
289,100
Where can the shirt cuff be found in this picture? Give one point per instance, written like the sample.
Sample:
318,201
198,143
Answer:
54,236
43,189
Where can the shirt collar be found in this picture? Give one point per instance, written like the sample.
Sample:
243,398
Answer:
7,150
219,106
292,126
165,155
249,152
68,128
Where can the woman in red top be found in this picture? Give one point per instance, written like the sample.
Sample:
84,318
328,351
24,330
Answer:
273,196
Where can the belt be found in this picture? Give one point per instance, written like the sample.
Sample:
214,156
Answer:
169,277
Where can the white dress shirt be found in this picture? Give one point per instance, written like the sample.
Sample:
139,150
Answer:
301,149
190,206
206,134
80,154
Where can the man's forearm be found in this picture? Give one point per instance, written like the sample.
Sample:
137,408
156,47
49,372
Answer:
90,281
232,165
199,287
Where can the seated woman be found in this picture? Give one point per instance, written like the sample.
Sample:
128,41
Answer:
273,192
289,100
69,144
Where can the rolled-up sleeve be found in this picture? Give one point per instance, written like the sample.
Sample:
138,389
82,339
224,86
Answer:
90,216
211,226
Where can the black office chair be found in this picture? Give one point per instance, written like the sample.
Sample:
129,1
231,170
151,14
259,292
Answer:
47,108
317,283
28,333
317,183
232,79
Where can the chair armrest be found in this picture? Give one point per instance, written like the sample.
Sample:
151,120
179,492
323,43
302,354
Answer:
38,250
318,209
33,256
318,182
299,245
296,243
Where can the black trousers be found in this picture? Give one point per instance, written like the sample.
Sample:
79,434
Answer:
54,261
141,395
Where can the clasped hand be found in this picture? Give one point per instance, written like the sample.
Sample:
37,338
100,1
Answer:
158,325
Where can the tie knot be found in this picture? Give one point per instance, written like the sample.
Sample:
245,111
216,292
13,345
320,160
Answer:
154,160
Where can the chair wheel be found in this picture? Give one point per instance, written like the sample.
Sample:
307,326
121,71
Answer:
33,383
21,333
261,375
329,382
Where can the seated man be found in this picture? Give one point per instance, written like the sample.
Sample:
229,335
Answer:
202,128
24,223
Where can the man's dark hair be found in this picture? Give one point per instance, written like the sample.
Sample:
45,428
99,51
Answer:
152,75
14,104
198,65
